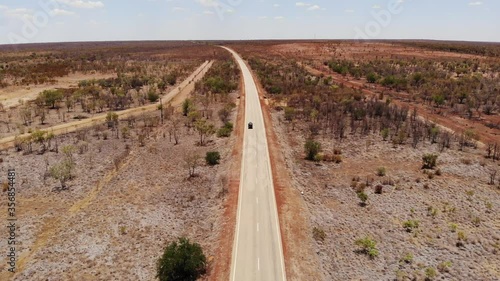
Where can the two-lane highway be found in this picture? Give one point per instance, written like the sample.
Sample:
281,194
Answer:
257,250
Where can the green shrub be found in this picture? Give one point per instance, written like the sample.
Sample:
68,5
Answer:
312,148
187,106
363,197
444,266
289,113
181,260
381,171
212,158
408,258
385,133
410,225
371,77
51,97
153,96
368,247
430,161
430,273
453,227
225,131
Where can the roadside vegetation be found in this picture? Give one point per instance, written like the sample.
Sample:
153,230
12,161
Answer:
400,192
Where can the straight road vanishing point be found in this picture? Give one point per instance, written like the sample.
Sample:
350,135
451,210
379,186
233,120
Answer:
257,250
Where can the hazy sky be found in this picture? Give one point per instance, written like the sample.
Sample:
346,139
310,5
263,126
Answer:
97,20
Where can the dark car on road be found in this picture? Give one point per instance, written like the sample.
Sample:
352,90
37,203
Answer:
250,125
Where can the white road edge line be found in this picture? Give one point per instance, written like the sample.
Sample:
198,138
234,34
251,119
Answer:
235,245
258,264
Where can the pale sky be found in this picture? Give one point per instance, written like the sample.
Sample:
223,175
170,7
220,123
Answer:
32,21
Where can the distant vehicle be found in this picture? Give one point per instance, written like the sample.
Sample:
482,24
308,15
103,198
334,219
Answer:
250,125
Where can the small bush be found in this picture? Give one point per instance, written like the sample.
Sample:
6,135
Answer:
410,225
312,148
153,96
319,234
379,189
444,266
476,221
385,133
408,258
371,77
225,131
430,161
212,158
461,236
381,171
363,197
430,273
368,247
181,260
453,227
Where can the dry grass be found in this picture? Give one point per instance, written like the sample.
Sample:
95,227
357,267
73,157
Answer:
435,203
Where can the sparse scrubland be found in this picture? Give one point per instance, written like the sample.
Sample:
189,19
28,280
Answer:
391,150
105,201
390,193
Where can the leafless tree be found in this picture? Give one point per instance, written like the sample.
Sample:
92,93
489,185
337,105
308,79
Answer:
191,162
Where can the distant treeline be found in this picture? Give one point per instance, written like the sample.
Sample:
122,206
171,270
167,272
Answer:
472,48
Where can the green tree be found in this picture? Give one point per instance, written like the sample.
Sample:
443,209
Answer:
40,137
429,160
312,148
153,96
212,158
371,77
112,119
52,97
438,100
62,172
204,129
187,106
181,261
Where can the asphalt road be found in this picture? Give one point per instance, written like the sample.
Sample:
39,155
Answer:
257,249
